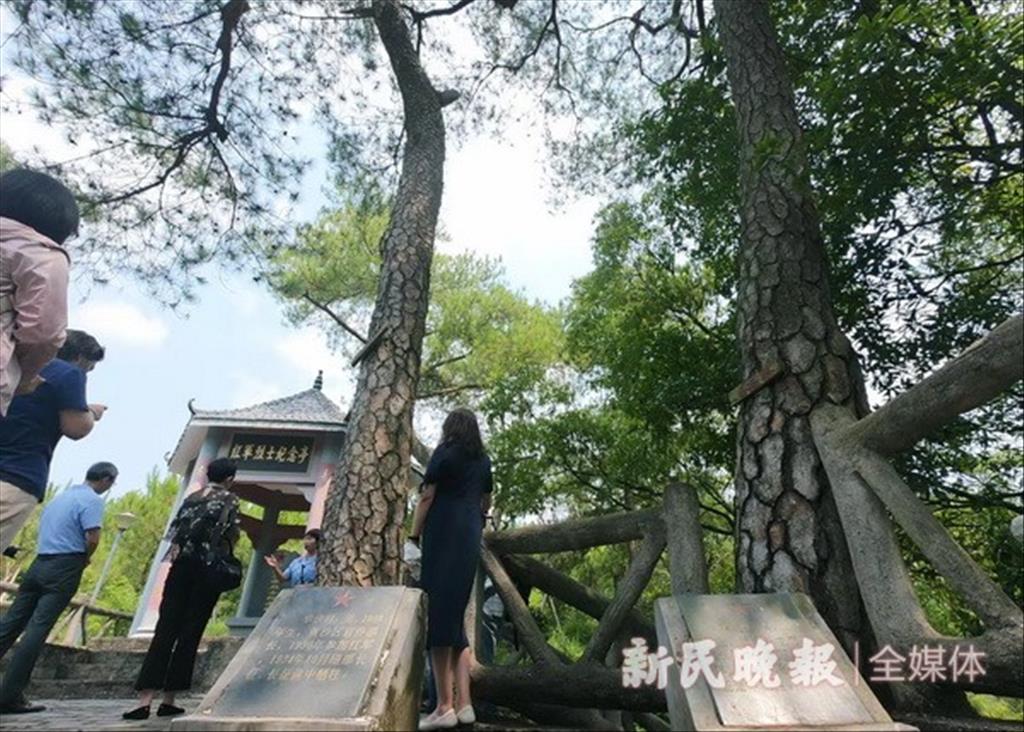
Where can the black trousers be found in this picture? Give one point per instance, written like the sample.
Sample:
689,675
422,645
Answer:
185,610
45,591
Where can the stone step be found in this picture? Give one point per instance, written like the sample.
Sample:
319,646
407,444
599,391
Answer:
141,645
55,662
122,668
120,645
118,667
57,653
108,669
55,657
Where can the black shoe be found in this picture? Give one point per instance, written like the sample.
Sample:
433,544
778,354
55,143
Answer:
137,713
21,706
169,710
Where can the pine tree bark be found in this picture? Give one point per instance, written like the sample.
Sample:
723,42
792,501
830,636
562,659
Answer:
789,538
365,507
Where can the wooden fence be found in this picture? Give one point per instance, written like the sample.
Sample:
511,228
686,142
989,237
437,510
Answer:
561,690
868,491
870,497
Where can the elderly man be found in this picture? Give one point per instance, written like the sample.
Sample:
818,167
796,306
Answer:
69,532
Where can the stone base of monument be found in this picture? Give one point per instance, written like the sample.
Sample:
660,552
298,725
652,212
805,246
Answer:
324,658
750,662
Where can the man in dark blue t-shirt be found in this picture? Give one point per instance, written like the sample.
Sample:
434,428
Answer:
34,424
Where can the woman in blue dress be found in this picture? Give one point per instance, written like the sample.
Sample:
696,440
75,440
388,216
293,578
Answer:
450,516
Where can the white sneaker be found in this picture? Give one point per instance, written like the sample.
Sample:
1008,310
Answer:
446,721
466,715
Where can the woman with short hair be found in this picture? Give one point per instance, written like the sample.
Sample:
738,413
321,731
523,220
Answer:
450,515
188,598
301,570
37,215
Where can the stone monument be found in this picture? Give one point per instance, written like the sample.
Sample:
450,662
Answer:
747,662
324,658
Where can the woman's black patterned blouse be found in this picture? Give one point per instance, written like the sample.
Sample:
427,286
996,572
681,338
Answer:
194,527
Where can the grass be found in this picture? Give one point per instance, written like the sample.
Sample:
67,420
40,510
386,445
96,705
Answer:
998,707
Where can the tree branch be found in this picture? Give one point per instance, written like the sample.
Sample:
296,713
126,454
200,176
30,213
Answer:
517,66
419,16
636,19
944,277
445,362
334,316
184,146
362,12
195,18
450,390
231,13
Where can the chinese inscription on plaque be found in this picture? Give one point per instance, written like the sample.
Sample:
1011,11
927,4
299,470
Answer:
313,656
271,453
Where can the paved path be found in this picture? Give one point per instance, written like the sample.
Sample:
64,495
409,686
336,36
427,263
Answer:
86,715
104,715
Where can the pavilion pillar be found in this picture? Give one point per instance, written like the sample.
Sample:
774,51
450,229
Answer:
316,506
258,576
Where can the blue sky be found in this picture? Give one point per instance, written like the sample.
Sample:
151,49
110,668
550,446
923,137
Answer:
233,348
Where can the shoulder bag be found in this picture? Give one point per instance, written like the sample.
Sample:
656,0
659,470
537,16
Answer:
221,569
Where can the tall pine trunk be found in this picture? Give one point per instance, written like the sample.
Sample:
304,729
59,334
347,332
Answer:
789,538
365,507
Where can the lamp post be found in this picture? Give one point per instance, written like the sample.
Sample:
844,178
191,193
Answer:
76,630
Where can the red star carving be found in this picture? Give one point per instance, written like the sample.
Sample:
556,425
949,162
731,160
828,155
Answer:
343,599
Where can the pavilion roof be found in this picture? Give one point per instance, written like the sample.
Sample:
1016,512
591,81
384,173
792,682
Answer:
305,411
306,408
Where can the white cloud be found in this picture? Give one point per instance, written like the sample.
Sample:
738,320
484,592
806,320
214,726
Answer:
306,352
496,204
250,390
120,323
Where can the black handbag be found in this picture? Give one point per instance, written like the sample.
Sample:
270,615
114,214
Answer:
221,569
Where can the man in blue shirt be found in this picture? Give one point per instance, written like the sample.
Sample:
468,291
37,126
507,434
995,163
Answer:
69,532
34,424
301,570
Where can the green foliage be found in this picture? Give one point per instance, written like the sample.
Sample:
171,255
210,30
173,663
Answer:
985,534
912,114
7,159
480,332
640,397
335,261
920,194
997,707
601,569
641,314
589,460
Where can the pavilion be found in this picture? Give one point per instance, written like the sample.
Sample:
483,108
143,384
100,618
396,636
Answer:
286,451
